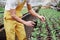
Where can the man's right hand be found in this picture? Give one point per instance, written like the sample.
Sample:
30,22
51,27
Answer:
29,23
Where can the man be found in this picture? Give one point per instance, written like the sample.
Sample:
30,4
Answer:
12,19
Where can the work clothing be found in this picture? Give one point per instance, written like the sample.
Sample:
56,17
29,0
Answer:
11,26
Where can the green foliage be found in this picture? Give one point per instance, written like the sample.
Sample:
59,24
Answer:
50,29
58,4
24,10
1,9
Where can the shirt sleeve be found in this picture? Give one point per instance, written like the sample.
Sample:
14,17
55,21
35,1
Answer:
10,4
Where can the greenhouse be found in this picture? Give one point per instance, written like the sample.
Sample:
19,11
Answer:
48,30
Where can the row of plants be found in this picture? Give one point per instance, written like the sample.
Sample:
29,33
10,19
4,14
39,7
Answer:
50,30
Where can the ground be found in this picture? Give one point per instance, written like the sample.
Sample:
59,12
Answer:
50,30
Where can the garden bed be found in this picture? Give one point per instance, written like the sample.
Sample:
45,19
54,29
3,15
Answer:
50,30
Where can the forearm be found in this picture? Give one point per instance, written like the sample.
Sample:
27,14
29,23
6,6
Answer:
31,11
13,15
34,13
18,19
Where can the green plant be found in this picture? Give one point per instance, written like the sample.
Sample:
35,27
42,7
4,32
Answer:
58,4
50,29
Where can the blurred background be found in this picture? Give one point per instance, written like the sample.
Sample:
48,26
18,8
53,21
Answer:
50,30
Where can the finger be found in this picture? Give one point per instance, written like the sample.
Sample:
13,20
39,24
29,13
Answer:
33,23
44,18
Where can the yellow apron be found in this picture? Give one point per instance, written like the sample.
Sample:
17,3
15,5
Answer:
12,26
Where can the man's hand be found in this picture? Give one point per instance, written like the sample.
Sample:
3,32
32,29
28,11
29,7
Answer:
29,23
42,18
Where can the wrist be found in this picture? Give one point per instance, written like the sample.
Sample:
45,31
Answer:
24,22
38,16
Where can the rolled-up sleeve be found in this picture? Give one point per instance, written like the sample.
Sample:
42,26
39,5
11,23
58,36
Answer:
10,4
